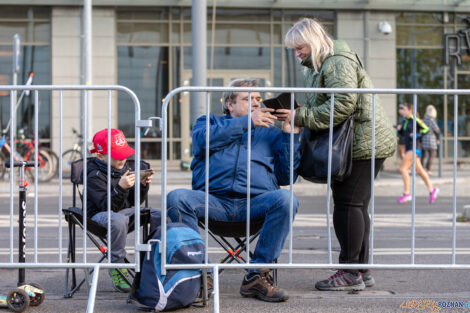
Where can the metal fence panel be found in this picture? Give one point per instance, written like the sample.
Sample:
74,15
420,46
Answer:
85,264
290,265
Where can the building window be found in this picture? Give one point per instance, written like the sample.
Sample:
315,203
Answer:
154,47
34,27
420,64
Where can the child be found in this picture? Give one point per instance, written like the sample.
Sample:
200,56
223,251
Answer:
122,195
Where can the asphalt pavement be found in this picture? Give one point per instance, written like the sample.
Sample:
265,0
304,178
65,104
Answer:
395,290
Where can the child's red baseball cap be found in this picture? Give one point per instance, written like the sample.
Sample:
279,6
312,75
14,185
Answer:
120,150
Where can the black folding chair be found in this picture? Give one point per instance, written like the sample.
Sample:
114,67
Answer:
225,232
95,232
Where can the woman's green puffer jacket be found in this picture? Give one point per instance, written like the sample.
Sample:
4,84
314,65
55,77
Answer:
344,70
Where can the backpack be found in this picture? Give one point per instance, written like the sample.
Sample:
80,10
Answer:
178,288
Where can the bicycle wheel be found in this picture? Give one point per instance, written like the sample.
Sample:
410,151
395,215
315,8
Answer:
3,158
55,160
46,167
68,157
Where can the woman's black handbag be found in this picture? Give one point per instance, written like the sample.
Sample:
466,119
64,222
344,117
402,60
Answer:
314,162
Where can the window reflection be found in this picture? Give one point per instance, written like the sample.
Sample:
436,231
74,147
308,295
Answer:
145,71
35,59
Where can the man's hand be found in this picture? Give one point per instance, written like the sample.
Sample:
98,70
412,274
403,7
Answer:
263,117
284,115
127,180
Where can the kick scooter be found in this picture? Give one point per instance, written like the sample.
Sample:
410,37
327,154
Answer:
31,294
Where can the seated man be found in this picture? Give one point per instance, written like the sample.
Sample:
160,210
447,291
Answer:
122,195
228,180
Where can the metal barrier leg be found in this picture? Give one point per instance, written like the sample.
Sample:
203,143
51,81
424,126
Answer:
216,289
92,294
204,287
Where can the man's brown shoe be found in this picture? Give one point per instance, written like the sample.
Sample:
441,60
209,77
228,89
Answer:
261,286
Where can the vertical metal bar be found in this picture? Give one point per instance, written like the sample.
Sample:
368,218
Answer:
372,178
12,153
441,143
108,235
291,177
206,201
248,181
328,182
413,181
59,214
94,285
163,201
454,185
216,289
36,149
85,184
138,234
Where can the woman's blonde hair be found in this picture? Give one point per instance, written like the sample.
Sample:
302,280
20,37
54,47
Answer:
307,31
431,111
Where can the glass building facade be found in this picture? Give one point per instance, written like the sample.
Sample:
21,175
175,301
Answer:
421,64
154,55
33,24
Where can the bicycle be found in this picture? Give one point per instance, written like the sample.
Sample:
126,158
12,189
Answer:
47,164
71,155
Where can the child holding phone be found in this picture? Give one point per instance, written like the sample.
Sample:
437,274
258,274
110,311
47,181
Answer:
122,195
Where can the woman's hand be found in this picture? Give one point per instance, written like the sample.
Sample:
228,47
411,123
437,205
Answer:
284,115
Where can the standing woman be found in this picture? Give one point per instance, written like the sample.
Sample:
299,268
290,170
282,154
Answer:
430,141
331,64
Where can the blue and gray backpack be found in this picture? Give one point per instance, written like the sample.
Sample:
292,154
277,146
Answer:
178,288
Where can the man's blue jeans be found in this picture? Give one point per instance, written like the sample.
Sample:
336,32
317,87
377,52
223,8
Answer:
272,206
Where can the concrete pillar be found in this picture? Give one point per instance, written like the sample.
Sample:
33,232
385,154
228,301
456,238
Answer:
66,46
380,54
199,57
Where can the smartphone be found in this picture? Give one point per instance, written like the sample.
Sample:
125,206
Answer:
143,174
280,102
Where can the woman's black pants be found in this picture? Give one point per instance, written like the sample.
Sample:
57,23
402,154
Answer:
351,212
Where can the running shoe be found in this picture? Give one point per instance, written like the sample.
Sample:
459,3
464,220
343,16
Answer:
369,281
404,198
341,281
433,195
119,283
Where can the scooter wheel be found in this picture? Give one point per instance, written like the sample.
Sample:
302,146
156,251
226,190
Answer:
18,300
38,297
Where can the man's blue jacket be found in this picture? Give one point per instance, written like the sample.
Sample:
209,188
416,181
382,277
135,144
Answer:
270,150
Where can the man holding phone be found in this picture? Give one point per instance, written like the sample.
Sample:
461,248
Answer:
122,195
270,168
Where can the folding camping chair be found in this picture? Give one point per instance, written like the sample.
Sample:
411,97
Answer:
221,232
95,232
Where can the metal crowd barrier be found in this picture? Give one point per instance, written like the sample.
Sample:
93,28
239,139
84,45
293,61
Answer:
290,264
84,264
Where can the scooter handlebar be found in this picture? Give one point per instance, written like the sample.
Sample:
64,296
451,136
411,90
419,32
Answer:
19,164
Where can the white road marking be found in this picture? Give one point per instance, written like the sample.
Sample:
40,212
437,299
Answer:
301,220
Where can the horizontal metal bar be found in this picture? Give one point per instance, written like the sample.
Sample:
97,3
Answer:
143,123
323,266
143,247
322,90
66,87
66,265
